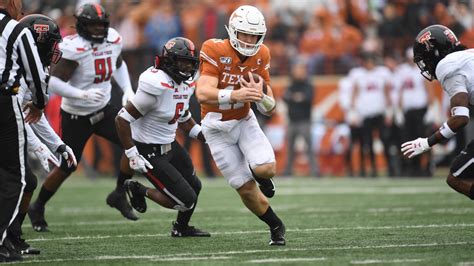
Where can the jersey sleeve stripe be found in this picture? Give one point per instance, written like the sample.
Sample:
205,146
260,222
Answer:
209,59
267,66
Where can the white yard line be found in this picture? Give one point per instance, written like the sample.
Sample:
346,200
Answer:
224,254
286,260
385,261
420,226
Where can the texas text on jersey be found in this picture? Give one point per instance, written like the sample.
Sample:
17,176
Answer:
96,63
220,60
172,101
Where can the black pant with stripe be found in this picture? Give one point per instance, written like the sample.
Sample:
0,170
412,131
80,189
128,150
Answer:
76,131
173,173
12,160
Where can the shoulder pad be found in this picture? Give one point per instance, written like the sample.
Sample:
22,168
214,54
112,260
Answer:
113,36
155,81
73,47
447,67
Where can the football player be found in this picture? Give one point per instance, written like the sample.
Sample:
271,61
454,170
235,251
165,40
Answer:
371,99
237,143
147,128
439,55
83,78
47,36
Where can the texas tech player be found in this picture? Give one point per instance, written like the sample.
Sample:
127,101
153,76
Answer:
151,119
82,77
238,145
440,55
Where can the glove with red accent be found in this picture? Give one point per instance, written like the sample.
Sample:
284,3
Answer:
415,147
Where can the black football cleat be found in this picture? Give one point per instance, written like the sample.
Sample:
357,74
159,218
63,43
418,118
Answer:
137,200
186,231
118,200
277,237
266,185
22,247
8,253
36,214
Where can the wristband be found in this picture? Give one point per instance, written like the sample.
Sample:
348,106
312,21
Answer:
460,111
266,104
194,132
223,96
123,113
446,131
131,152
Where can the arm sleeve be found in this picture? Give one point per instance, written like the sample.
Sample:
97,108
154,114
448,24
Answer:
35,75
46,134
64,89
33,141
122,77
143,101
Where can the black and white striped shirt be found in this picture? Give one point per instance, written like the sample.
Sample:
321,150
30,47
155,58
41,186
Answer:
19,58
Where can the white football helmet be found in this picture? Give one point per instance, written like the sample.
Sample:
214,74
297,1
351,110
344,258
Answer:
249,20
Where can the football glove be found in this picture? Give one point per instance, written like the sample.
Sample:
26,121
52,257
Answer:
94,95
67,154
415,147
137,162
45,156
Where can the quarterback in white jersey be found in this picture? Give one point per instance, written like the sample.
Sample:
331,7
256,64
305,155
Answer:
83,78
147,128
440,55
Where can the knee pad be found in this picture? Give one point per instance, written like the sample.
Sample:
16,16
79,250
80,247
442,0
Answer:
197,186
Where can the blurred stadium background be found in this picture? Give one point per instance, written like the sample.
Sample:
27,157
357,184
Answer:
336,221
328,36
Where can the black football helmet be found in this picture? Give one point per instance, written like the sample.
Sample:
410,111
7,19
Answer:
431,45
47,36
92,14
178,59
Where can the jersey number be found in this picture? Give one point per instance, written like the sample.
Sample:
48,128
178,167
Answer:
177,113
103,69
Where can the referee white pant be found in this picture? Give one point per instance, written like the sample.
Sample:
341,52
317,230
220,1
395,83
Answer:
12,160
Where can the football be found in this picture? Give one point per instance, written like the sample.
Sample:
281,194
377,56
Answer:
257,78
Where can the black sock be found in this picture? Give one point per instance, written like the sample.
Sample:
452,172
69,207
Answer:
44,196
121,179
184,217
270,218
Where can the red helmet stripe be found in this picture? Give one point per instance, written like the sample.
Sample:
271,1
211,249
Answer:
98,8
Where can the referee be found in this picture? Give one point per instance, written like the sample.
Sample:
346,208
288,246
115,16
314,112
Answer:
18,58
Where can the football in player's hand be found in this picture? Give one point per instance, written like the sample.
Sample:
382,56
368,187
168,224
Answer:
256,78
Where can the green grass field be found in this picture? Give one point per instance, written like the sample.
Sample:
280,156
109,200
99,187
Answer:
329,222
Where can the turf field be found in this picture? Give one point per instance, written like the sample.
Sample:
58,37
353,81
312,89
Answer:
331,221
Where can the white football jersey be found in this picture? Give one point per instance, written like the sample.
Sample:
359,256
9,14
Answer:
158,125
96,62
456,73
410,86
370,100
42,129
